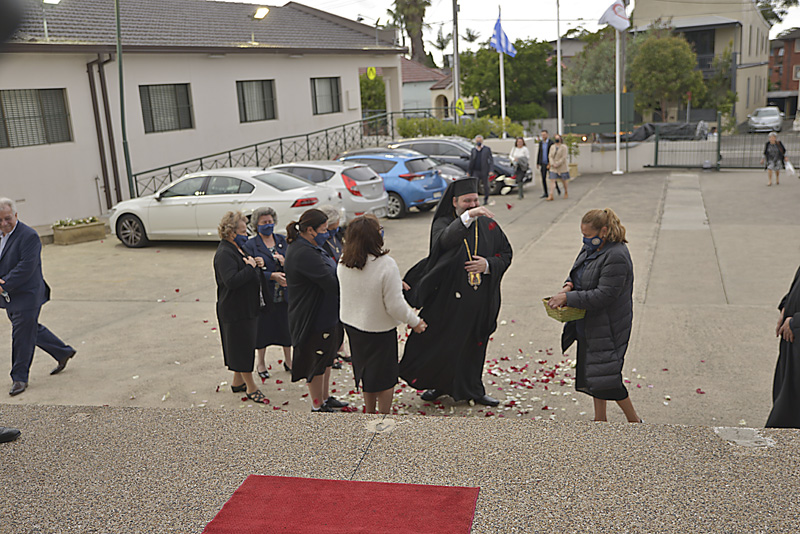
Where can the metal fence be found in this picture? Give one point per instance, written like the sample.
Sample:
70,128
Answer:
374,130
740,151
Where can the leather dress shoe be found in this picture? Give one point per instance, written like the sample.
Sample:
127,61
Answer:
63,363
432,394
335,403
8,434
543,196
17,388
486,400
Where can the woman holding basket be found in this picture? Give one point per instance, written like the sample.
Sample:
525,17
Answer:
600,282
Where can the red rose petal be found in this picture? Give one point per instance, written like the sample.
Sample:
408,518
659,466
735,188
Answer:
285,403
276,407
492,225
244,399
304,395
177,291
213,328
700,391
217,389
205,320
281,382
173,315
509,206
665,369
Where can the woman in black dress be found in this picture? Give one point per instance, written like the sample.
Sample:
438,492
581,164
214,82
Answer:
237,276
600,282
314,307
786,386
273,321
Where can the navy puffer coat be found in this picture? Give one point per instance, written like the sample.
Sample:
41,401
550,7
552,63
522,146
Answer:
607,296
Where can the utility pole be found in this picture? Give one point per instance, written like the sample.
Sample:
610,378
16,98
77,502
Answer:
456,62
123,125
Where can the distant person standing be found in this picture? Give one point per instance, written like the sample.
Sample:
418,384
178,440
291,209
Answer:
24,291
481,164
558,166
543,160
786,385
775,158
520,158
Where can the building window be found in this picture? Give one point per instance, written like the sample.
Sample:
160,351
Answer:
166,107
797,45
780,52
256,100
326,95
33,117
796,72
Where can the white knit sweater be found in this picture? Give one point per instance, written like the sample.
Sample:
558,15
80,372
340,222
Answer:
372,298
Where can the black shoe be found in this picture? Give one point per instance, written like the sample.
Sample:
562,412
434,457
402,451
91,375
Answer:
239,389
8,434
432,394
17,388
543,196
322,409
61,364
335,403
486,400
344,358
263,375
337,364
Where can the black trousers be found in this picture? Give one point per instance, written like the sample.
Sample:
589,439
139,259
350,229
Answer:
545,172
483,178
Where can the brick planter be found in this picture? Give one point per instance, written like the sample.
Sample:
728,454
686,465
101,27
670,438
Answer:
81,233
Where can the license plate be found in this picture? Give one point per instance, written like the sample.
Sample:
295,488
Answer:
437,195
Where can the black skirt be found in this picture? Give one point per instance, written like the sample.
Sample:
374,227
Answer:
375,365
273,326
239,344
580,379
316,354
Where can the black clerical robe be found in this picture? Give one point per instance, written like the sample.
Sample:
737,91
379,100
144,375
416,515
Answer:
450,354
786,385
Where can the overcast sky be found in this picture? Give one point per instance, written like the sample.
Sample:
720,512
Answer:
522,19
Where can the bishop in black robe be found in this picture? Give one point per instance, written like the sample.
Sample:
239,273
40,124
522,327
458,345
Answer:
460,307
786,385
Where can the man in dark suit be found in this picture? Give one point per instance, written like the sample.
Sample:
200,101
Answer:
481,163
22,293
543,160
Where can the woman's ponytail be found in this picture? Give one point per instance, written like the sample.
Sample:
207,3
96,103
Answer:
292,231
606,218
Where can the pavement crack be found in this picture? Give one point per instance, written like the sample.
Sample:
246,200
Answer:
366,451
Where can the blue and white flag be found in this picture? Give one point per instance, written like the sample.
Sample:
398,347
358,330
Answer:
500,40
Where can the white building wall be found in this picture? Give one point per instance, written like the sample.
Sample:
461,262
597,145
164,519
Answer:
57,181
417,95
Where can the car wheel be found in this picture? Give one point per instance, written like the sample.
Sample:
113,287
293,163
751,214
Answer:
426,207
130,231
396,208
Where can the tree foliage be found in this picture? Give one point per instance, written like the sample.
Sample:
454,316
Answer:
441,43
471,35
412,15
528,78
373,92
663,72
775,10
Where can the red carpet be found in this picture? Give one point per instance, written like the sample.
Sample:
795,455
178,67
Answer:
303,505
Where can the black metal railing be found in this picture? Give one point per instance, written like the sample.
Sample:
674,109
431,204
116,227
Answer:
373,130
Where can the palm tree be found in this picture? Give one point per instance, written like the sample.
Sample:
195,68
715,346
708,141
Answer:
441,43
471,36
412,13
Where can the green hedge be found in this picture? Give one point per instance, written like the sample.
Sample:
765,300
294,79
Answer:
485,126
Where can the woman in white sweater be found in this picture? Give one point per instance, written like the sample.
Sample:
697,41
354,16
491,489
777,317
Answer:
372,305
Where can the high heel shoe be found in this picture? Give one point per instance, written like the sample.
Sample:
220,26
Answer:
239,388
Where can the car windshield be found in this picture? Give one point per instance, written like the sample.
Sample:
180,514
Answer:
282,181
766,112
421,164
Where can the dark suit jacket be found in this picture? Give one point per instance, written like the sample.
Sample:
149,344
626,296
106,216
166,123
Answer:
21,268
256,248
487,161
544,145
237,285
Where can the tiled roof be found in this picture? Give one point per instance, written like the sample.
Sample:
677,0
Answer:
444,83
195,24
417,72
788,36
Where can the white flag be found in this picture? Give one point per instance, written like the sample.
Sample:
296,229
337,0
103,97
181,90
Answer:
616,17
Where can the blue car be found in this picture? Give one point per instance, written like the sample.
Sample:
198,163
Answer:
411,179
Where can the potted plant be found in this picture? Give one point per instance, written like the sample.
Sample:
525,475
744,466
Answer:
571,140
71,231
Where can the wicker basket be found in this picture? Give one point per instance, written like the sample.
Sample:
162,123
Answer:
563,314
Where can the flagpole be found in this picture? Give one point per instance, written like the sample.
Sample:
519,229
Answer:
502,86
558,67
456,62
617,98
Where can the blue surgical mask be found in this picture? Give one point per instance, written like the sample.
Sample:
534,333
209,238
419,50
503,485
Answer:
266,229
240,240
381,232
320,238
592,243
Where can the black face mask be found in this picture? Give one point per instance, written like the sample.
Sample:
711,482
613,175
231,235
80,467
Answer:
558,140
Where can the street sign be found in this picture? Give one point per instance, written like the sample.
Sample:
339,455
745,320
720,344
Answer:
460,106
476,103
371,73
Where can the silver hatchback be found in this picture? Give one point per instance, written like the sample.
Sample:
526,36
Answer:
769,119
360,188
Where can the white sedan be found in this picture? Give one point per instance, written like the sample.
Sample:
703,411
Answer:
191,208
